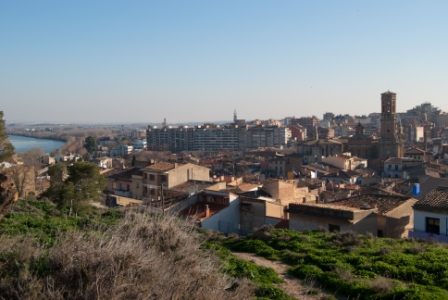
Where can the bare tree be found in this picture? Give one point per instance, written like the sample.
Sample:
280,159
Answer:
8,195
23,174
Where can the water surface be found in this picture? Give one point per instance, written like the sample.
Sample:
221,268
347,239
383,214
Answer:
23,143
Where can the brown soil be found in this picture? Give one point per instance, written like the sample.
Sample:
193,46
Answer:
299,289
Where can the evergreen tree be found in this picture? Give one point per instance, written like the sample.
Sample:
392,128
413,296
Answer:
90,144
6,148
84,183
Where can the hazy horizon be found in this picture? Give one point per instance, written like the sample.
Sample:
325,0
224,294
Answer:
140,62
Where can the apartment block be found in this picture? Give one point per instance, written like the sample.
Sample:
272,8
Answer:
210,137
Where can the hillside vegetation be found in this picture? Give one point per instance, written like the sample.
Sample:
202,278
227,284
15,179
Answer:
46,255
112,255
354,266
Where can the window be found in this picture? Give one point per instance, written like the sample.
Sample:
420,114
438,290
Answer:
151,192
380,233
433,225
137,185
396,167
334,228
151,177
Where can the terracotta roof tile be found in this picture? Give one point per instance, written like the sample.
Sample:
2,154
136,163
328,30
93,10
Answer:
192,185
127,174
197,211
162,166
437,199
384,203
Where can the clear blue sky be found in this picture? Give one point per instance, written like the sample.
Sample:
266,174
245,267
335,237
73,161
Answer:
141,61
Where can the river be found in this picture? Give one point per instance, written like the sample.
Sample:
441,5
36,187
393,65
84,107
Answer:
23,143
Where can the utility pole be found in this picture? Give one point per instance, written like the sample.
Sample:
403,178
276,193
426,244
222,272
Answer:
163,199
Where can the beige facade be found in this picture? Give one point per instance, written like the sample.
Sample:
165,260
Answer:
165,175
385,216
315,216
255,212
398,222
288,191
137,185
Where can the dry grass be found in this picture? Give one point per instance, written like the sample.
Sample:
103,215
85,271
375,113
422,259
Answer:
382,285
144,257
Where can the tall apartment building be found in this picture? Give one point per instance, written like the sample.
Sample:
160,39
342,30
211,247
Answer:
309,123
213,137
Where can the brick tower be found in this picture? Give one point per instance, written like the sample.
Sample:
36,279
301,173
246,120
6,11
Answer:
391,144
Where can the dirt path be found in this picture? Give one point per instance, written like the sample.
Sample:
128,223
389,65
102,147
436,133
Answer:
292,286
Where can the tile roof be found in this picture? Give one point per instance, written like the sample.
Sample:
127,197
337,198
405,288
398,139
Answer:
343,174
255,194
110,172
384,203
323,210
197,210
246,187
427,185
394,160
282,224
191,185
436,200
415,151
125,174
162,166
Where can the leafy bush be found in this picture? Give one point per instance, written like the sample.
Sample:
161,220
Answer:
357,266
306,271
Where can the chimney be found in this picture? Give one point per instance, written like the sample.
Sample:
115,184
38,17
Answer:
175,165
207,211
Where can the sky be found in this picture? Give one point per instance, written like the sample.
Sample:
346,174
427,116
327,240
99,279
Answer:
198,61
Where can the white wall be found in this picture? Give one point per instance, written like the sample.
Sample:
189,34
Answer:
230,214
420,220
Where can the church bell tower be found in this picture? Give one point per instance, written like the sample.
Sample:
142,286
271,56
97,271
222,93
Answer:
391,144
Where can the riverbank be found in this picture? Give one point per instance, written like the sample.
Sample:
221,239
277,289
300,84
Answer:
39,136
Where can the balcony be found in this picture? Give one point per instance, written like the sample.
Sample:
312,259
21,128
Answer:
122,193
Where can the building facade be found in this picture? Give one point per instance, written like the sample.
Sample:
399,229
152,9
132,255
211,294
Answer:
390,144
211,137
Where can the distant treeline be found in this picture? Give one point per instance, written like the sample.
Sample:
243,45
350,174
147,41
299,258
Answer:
61,134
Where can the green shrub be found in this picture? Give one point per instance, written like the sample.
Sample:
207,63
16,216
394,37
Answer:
271,293
306,271
240,268
254,246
